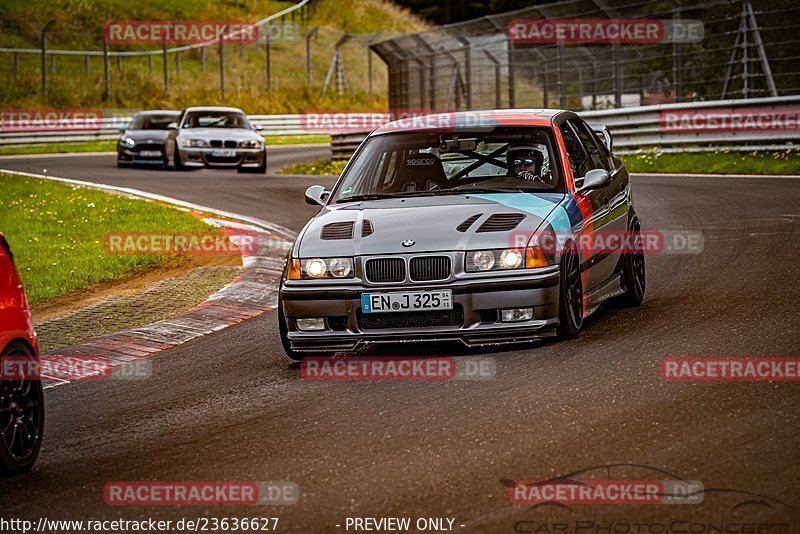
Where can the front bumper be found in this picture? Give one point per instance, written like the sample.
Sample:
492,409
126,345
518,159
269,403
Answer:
479,301
209,157
135,157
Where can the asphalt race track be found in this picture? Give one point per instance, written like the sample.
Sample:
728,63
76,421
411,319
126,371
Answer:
229,406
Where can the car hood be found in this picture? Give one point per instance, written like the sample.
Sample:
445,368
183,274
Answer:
433,223
142,136
220,133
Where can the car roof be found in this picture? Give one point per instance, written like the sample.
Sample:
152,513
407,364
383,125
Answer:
159,112
213,108
490,117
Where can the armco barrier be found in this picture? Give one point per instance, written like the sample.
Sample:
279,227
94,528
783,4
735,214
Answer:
638,128
631,128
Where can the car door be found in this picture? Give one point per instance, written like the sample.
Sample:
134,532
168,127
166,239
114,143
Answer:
614,197
597,222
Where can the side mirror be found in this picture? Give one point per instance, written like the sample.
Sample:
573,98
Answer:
316,195
596,179
122,128
172,126
258,128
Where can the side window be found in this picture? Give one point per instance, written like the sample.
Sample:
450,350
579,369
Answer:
589,141
605,155
578,160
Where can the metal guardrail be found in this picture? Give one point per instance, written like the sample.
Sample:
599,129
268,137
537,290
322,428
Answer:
639,128
632,128
109,129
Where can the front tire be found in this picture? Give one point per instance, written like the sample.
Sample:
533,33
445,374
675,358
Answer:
633,271
21,418
570,295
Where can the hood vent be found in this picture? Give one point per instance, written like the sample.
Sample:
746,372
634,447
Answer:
501,222
464,226
338,230
366,228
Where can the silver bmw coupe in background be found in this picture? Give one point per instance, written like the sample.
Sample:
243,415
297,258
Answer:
217,137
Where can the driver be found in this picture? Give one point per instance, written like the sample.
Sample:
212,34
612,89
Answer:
525,165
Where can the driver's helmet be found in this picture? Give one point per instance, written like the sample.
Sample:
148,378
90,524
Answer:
529,159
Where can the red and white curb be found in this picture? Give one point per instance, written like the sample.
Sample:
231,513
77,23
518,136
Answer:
252,293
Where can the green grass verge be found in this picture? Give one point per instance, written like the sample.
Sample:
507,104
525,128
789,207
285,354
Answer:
720,162
111,146
295,139
321,166
59,148
57,233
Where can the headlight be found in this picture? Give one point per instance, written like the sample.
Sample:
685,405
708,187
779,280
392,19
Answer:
250,143
505,259
320,268
127,141
190,142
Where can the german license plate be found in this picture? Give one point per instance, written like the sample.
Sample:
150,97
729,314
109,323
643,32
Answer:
223,153
150,153
406,301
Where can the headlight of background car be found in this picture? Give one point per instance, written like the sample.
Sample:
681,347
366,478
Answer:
189,142
320,268
127,141
505,259
250,143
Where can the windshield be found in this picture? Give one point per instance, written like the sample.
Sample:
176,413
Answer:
216,119
409,164
152,122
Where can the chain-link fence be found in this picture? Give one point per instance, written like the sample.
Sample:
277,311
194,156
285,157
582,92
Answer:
287,56
748,49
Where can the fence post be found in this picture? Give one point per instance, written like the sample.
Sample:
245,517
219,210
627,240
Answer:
562,90
497,82
86,66
268,43
677,60
203,59
615,53
119,63
150,64
745,54
308,54
177,63
166,67
44,56
106,72
512,90
546,81
222,64
16,64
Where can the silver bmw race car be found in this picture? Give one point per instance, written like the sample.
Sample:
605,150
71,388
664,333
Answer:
484,228
215,137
